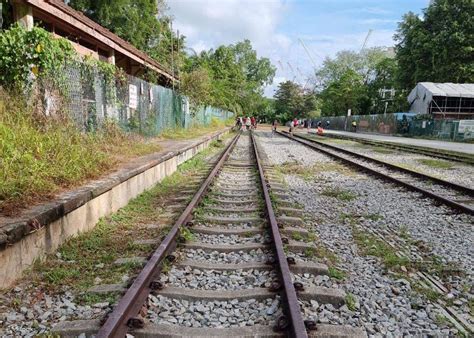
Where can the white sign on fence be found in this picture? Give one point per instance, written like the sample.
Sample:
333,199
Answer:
466,127
132,96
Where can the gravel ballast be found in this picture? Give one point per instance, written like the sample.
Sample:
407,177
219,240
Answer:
384,303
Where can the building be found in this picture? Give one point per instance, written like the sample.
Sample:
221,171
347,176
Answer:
88,37
443,100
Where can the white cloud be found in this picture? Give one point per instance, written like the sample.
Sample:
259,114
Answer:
227,21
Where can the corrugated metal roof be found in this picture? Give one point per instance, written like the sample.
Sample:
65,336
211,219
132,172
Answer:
448,89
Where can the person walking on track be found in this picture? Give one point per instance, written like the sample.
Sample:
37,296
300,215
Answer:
248,123
274,127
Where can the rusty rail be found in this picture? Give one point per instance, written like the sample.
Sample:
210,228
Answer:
320,147
293,310
125,312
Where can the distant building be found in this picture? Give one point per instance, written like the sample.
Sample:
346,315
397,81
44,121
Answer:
443,100
87,37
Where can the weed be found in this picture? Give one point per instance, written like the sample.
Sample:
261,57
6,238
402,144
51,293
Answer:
294,168
374,217
442,320
382,150
93,298
186,234
433,163
351,302
404,232
340,194
428,293
297,236
350,218
309,252
336,273
326,254
372,246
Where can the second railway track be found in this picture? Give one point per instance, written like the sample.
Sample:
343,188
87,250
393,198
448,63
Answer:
227,267
453,195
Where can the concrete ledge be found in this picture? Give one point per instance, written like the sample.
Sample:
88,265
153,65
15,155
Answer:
43,228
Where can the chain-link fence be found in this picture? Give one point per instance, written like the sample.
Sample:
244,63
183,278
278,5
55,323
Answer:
137,105
406,124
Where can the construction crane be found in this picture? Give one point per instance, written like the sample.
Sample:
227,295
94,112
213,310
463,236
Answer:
366,39
307,52
292,71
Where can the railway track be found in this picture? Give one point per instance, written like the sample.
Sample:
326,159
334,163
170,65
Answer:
453,195
446,155
228,266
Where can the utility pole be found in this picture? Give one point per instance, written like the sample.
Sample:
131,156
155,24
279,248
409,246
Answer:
172,59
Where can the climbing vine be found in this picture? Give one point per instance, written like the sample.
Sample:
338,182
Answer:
26,55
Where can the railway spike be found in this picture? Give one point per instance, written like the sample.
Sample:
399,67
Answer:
282,323
291,260
275,286
285,240
298,286
310,325
171,258
156,285
136,323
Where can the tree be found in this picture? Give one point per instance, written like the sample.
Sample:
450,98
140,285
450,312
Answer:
291,101
439,47
237,76
353,81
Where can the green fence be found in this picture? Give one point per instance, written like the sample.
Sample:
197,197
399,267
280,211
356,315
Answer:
137,105
405,124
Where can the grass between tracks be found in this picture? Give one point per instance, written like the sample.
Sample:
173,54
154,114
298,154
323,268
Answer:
88,259
307,172
438,164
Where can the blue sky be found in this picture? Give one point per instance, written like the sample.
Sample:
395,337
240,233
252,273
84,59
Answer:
274,27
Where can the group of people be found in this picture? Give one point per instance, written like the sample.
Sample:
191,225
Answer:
246,123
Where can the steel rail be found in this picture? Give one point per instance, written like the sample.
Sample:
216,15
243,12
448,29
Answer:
298,328
130,304
446,155
451,185
444,200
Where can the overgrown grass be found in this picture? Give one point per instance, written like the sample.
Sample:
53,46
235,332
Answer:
373,246
295,168
433,163
382,150
41,155
340,194
197,130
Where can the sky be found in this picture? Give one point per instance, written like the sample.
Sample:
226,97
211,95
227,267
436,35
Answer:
275,27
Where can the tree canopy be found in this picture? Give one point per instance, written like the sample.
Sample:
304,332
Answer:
438,47
236,74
